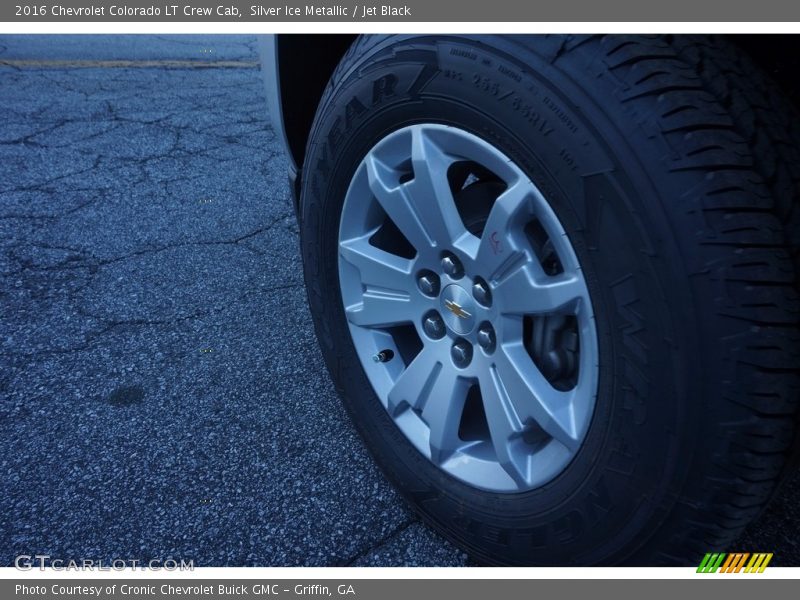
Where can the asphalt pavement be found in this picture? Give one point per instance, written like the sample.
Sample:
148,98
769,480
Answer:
162,394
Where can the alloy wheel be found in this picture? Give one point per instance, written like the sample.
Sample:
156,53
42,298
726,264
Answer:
468,308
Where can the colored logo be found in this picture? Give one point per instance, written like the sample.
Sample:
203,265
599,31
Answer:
456,309
736,562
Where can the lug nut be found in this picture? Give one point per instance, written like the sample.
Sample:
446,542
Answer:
452,266
481,292
433,325
461,352
486,337
428,283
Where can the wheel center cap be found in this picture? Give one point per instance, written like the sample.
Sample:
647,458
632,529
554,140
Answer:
458,309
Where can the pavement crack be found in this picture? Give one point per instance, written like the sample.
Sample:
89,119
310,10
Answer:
91,337
94,264
41,187
394,533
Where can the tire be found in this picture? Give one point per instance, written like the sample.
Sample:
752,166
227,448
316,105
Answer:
681,222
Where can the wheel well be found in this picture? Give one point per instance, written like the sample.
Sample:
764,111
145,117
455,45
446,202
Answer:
305,65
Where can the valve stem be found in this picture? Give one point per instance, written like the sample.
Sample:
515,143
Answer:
383,356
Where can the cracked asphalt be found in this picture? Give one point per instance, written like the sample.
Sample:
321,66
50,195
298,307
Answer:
162,391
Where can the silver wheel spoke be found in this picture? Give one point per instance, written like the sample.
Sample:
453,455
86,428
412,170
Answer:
438,394
528,291
532,398
442,413
504,425
398,204
431,190
385,279
414,384
378,269
379,310
422,208
499,253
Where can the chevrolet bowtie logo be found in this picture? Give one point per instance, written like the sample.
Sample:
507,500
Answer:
456,309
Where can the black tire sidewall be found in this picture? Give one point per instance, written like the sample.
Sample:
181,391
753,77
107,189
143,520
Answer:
606,503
